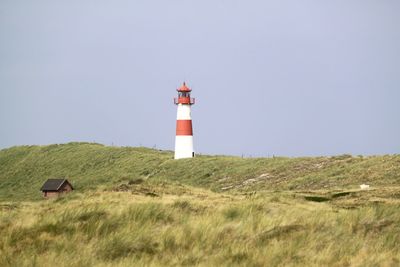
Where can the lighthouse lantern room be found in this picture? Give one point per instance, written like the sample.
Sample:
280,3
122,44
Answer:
184,129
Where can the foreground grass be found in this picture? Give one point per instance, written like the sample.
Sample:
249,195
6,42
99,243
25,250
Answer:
93,166
184,226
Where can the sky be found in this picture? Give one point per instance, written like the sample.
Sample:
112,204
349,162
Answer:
270,78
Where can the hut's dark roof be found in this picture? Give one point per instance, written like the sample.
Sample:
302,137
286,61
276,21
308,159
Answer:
54,184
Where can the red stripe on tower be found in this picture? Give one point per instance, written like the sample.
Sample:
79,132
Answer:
184,127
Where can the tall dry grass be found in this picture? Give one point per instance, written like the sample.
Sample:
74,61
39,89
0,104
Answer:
200,228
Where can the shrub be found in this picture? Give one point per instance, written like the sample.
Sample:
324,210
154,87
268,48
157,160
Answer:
232,213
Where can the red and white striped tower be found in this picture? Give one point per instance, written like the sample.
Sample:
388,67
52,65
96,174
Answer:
184,129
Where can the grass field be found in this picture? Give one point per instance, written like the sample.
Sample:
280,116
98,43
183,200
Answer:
92,166
138,207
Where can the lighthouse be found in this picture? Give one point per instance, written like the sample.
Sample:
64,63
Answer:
184,129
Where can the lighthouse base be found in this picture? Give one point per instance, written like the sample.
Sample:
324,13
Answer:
184,147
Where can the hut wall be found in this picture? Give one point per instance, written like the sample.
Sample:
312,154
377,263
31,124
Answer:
66,188
50,194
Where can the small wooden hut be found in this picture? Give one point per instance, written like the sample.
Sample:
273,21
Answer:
56,187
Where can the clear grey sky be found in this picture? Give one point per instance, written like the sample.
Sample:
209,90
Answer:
284,77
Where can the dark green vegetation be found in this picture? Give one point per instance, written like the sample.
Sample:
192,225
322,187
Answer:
93,166
138,207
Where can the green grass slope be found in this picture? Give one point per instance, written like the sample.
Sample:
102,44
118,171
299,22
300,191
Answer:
92,166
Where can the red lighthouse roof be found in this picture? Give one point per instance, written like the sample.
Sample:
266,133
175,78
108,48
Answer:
184,88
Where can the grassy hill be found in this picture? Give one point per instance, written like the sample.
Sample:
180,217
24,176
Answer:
138,207
92,166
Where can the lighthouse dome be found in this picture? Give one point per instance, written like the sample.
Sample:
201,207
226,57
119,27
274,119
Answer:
184,88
